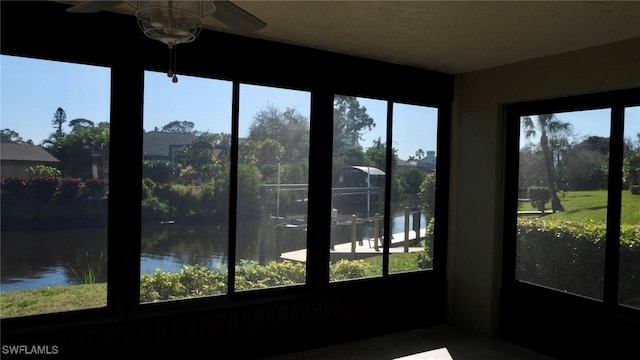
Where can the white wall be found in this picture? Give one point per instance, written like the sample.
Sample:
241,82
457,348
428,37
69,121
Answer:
475,221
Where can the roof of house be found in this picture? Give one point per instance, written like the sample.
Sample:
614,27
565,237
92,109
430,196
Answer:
367,169
406,163
159,142
12,151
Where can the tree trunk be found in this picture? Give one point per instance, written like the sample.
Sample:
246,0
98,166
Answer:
551,183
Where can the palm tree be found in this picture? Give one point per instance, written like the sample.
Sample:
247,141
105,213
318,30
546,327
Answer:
547,125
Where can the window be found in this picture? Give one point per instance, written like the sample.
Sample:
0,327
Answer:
563,179
55,186
630,211
358,190
577,215
364,167
182,257
186,187
185,198
413,186
272,187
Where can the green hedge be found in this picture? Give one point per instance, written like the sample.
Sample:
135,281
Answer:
569,256
51,202
198,280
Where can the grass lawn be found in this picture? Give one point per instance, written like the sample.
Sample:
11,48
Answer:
592,205
398,262
75,297
52,299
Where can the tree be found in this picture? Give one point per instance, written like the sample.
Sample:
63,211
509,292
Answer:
350,120
59,118
348,156
376,155
408,186
427,195
76,150
595,143
529,174
14,136
184,127
289,128
631,169
586,164
547,125
78,123
201,157
586,169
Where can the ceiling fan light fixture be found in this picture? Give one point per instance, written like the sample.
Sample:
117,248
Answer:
171,22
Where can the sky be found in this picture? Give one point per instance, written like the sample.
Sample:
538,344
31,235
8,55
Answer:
594,123
32,90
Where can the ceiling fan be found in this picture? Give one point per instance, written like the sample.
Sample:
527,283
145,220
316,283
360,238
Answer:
236,18
178,21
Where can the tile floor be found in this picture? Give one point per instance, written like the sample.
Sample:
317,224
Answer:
436,343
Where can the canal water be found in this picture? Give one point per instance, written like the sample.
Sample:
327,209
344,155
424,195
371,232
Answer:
62,254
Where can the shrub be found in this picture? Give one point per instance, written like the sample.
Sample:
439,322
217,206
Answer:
42,189
199,280
43,171
154,210
345,269
251,275
69,190
95,189
629,265
191,281
89,269
160,171
538,196
569,256
425,258
427,194
14,186
148,188
184,199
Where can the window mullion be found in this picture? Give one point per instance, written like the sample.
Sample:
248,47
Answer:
614,202
233,187
387,191
123,264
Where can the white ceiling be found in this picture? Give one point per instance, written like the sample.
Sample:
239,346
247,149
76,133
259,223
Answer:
447,36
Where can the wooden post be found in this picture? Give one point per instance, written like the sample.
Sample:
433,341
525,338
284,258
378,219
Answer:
376,229
406,229
353,233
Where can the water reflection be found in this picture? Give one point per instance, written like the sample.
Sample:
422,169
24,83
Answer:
169,246
33,259
36,259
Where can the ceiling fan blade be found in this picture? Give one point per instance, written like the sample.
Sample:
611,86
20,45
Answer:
92,6
236,18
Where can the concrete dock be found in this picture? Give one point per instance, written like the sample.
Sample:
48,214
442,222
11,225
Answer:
362,249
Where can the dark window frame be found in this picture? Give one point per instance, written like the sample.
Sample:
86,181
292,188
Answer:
517,297
393,83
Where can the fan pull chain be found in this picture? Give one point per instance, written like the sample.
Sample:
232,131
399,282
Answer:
172,64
